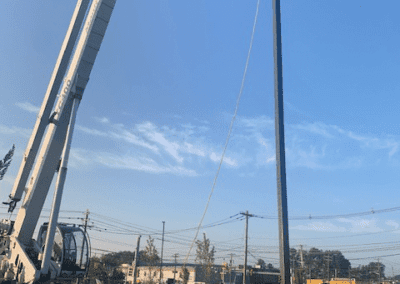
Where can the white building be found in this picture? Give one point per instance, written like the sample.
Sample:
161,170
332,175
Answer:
169,273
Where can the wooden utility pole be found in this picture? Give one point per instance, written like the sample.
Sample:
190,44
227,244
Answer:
280,148
230,268
84,230
328,259
175,256
245,245
85,226
301,274
379,271
162,249
135,262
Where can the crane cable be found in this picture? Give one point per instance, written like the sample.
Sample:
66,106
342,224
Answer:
229,133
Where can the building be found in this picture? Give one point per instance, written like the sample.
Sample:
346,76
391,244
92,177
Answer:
342,281
170,272
254,276
332,281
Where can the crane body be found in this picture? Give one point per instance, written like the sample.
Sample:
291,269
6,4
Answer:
54,253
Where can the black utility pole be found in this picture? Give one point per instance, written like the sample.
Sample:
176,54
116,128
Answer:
245,245
280,148
162,248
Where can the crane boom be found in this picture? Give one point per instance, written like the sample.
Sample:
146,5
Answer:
44,258
48,102
49,155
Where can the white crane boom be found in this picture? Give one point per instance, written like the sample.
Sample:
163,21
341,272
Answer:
48,102
53,143
44,258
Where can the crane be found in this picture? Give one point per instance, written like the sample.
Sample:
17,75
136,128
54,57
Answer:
60,250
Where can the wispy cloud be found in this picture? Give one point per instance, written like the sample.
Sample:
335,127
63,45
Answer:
150,131
319,227
28,107
118,132
315,128
353,225
392,223
315,146
228,161
361,225
15,130
375,143
144,164
256,124
90,131
172,150
102,119
267,151
138,162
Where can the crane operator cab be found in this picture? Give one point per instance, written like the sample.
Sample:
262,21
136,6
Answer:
70,249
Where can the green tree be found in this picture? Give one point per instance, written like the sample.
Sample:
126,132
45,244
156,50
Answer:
149,256
185,275
205,257
117,276
106,268
5,163
339,265
271,268
314,263
97,270
261,263
323,264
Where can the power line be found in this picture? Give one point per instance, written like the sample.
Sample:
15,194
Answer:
348,215
229,132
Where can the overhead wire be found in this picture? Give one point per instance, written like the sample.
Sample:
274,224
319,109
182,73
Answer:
348,215
229,132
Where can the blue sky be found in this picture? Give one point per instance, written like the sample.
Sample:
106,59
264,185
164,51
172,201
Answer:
154,118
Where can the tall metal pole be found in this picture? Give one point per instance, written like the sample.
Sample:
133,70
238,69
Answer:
280,148
162,249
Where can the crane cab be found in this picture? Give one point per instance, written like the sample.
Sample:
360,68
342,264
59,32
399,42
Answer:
71,251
